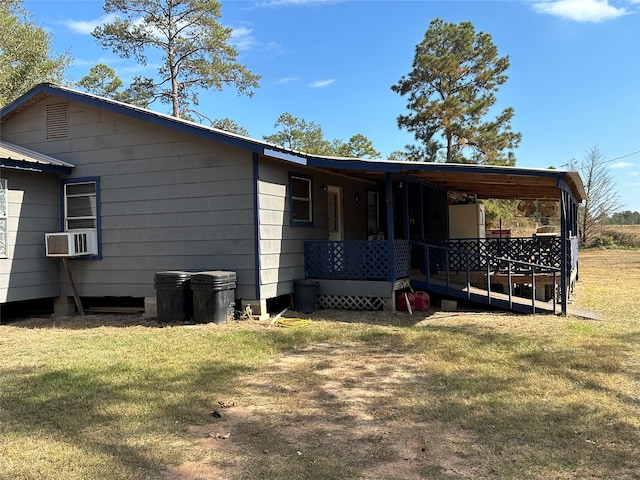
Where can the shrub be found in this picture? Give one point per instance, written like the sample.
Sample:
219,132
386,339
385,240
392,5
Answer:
615,239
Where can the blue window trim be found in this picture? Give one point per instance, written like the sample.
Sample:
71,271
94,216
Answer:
300,223
63,200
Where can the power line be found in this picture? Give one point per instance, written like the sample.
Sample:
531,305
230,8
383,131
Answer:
623,156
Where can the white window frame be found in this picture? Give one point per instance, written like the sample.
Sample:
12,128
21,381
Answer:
67,196
307,199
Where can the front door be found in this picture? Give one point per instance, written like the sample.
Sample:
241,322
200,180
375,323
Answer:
334,202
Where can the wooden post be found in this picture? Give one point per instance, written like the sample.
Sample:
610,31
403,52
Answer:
76,297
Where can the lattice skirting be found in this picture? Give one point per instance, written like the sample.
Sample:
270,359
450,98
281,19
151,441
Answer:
349,302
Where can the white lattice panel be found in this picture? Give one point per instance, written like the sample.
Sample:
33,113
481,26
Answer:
350,302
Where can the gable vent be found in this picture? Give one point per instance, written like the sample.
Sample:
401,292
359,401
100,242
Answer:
57,120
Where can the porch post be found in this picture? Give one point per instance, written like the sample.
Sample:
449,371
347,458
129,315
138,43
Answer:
389,205
563,251
405,213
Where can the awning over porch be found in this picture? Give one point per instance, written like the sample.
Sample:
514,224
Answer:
484,181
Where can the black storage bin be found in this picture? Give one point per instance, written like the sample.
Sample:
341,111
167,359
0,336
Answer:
213,296
173,296
305,295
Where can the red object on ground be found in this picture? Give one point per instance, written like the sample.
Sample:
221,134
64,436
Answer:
401,303
422,301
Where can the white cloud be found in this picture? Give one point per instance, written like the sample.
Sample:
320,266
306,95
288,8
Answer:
281,3
243,38
621,165
285,80
580,10
85,27
321,83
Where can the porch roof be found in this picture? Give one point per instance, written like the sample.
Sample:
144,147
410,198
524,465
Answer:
485,181
20,158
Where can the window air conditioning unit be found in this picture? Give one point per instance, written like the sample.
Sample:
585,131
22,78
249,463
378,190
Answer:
71,244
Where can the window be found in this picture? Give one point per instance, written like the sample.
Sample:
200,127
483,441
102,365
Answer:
80,208
80,205
373,213
3,217
300,200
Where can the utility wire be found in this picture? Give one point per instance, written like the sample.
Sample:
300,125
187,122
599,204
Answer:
623,156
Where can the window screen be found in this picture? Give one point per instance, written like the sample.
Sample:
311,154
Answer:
300,199
80,205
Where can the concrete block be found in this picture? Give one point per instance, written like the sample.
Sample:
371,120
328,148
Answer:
150,307
448,305
64,306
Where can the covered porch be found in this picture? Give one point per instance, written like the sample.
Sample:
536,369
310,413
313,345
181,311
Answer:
415,247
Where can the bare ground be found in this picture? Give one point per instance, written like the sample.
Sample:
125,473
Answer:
326,411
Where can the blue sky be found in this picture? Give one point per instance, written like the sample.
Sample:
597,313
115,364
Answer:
574,79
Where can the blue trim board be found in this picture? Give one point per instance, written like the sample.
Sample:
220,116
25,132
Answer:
34,167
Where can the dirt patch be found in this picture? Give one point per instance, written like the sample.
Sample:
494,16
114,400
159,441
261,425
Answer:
329,411
319,412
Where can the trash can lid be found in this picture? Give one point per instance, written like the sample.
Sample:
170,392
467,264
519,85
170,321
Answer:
173,277
213,276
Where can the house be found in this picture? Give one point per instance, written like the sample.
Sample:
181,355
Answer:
154,193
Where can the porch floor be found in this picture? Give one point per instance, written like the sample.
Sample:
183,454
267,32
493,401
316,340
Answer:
479,295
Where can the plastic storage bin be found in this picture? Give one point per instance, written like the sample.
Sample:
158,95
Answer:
213,296
305,295
173,296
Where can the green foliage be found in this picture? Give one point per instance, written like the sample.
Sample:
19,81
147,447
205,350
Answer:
500,210
298,134
103,81
614,239
358,146
195,48
450,90
229,125
25,53
624,218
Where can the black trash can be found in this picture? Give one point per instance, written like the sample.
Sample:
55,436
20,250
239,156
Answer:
173,296
213,296
305,295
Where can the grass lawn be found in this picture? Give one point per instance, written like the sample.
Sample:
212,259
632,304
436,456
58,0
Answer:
351,395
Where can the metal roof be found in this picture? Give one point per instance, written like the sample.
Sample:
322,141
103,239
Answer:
485,181
20,158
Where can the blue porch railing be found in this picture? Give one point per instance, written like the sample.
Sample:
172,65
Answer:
540,250
466,262
357,259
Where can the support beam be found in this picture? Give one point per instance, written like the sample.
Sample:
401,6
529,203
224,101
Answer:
564,235
76,297
389,205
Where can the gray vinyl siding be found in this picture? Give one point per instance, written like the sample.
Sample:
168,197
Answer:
281,246
169,201
33,206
